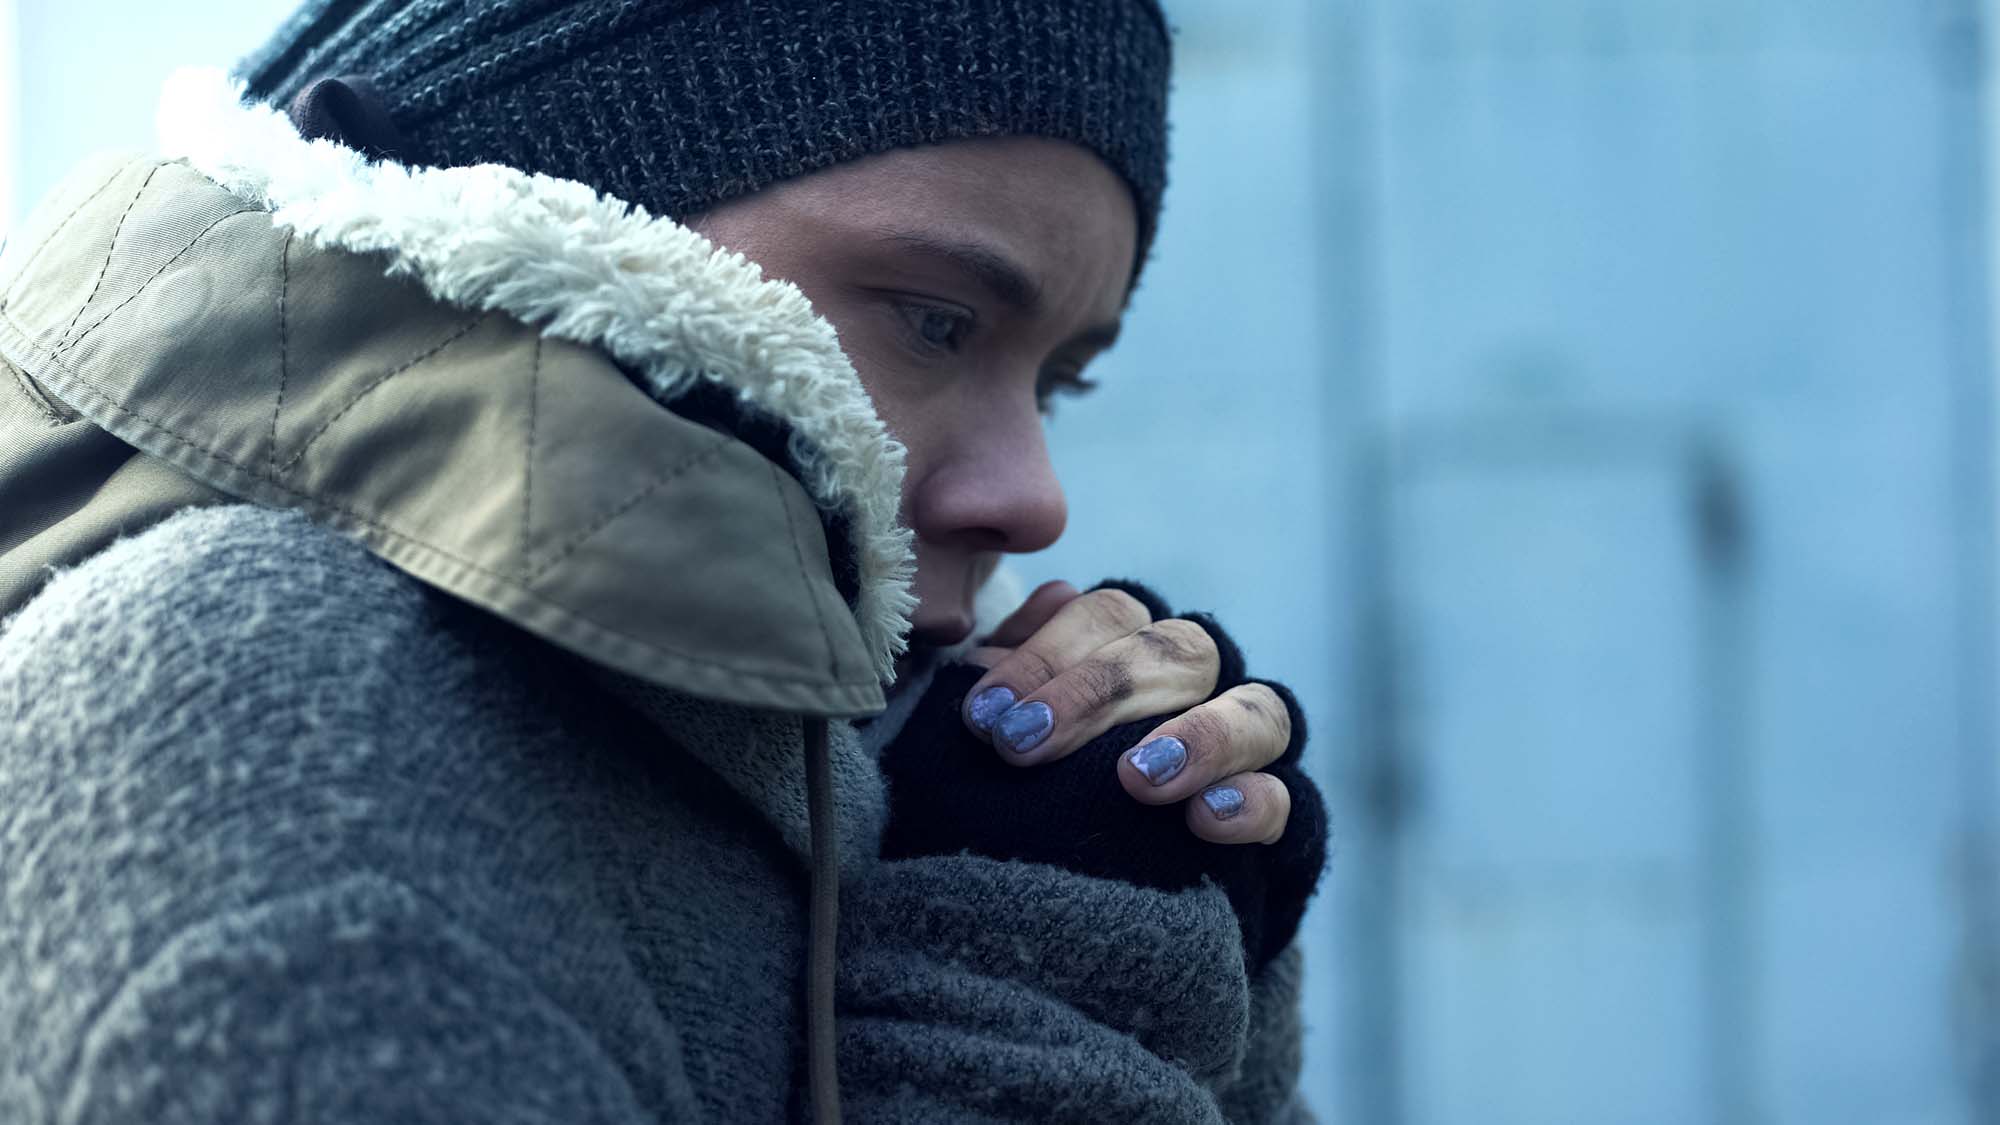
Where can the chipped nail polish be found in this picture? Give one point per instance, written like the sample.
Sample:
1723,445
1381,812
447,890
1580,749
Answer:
988,706
1159,760
1023,728
1224,801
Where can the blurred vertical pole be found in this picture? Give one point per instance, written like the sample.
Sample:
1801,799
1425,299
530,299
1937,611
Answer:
1729,954
1348,170
1967,45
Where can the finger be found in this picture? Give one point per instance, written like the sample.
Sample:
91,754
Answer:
1032,614
1244,728
1164,668
1083,625
1023,622
1245,808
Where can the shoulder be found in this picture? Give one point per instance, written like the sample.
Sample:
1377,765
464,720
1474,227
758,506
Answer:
212,572
255,671
228,654
232,614
236,704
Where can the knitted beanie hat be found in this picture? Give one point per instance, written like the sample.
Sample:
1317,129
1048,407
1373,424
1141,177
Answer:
678,105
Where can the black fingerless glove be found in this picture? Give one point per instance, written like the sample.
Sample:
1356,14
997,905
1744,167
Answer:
949,792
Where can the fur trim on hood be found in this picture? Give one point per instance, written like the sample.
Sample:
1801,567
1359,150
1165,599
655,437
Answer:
585,267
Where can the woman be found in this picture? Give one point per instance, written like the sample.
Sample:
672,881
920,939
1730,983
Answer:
440,589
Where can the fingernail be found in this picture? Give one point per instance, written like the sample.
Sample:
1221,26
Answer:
1224,801
988,704
1159,760
1022,728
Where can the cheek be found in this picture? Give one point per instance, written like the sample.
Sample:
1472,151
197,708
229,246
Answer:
911,402
930,437
972,436
938,415
966,450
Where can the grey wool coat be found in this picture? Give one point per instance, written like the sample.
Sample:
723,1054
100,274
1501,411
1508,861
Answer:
405,709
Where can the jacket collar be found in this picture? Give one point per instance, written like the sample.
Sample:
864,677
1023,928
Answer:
589,268
595,280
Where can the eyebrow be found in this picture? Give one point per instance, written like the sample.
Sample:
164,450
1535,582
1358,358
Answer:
1001,275
1005,278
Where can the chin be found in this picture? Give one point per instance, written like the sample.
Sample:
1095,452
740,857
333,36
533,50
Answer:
940,630
932,631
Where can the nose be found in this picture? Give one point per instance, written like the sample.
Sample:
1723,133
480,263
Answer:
992,488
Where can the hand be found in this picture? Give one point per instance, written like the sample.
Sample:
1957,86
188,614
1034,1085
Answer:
1067,666
951,791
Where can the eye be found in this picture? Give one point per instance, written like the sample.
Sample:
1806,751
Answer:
935,328
1060,384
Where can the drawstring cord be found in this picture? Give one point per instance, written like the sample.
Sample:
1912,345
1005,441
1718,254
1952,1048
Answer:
824,1075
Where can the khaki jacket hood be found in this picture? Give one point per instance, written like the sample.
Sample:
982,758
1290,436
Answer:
471,371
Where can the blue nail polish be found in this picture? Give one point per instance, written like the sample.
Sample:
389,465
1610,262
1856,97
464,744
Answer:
988,704
1023,728
1159,760
1224,801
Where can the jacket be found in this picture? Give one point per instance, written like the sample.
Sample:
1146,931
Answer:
438,604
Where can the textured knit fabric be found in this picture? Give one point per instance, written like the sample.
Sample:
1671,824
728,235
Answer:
681,104
292,838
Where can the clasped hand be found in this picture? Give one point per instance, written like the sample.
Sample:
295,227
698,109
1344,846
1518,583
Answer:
1068,666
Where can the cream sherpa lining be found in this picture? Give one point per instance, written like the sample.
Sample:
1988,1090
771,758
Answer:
589,268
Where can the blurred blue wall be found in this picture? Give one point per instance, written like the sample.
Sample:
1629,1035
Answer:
1588,408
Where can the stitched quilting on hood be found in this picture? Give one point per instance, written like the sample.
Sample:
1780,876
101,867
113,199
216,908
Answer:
668,305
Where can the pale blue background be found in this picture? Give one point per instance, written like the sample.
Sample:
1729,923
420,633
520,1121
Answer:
1588,408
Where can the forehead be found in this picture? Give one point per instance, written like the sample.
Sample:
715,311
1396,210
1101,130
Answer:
1049,205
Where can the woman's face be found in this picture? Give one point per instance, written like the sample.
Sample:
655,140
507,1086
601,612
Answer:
970,283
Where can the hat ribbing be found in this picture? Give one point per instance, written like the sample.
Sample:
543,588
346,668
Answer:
678,105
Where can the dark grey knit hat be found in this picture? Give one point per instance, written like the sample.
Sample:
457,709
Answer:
678,105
